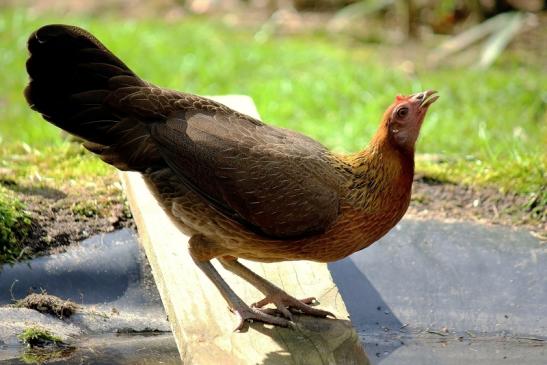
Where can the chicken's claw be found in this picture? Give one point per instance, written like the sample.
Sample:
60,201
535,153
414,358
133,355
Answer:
249,315
287,305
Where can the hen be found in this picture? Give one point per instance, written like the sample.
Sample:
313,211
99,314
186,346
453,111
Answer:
238,187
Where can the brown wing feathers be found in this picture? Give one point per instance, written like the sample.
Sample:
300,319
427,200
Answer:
265,177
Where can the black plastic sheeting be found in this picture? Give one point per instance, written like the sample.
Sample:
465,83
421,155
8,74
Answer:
103,272
99,270
441,293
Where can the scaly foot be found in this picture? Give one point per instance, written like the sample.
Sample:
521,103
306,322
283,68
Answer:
247,315
287,304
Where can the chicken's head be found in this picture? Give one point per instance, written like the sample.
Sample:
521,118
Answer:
403,119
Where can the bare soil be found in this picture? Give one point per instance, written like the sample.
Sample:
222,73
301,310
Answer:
432,199
60,218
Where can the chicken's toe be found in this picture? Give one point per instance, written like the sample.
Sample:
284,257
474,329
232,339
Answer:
249,315
287,304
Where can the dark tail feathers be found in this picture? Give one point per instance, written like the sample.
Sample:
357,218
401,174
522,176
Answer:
71,76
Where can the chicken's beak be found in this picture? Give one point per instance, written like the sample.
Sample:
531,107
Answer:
427,98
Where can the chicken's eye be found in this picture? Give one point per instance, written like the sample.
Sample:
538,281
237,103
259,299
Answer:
402,112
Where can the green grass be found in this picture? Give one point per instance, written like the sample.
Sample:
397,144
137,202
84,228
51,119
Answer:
15,225
60,164
490,127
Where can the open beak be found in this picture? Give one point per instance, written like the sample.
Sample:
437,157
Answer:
428,97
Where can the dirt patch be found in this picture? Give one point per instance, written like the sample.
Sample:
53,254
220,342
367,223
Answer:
60,218
49,304
440,200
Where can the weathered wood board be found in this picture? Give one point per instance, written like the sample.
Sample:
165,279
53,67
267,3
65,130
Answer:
199,316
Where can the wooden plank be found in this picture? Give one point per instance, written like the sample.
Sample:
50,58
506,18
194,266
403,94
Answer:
201,322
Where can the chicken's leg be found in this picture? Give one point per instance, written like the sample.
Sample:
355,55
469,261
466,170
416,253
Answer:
237,305
201,250
277,296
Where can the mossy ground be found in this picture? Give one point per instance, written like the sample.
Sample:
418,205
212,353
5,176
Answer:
15,226
36,336
44,346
